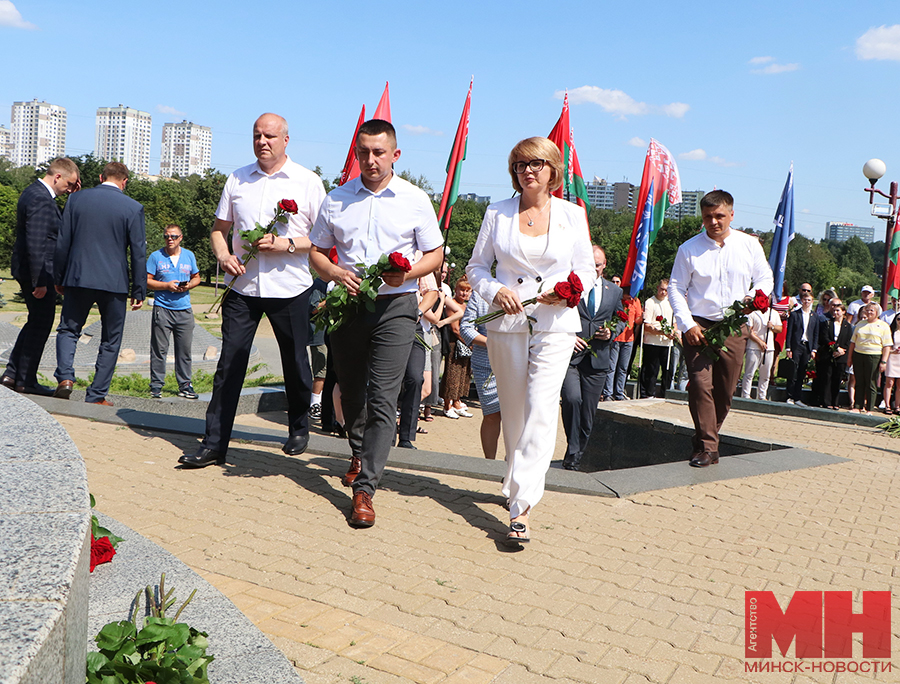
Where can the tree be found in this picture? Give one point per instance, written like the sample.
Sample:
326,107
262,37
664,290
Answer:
419,181
465,223
16,177
9,198
856,256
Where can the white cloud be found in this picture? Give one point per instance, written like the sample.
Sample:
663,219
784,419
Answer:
693,155
420,130
762,60
700,155
777,68
805,211
879,43
165,109
10,16
637,142
620,103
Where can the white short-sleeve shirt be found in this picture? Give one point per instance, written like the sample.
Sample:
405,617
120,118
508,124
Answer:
250,196
363,225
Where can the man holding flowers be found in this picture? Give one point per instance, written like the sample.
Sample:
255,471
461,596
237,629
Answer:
590,364
272,205
712,271
376,222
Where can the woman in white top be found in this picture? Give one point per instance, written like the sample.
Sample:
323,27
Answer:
537,241
760,331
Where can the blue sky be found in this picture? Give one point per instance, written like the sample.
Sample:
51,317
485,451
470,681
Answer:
736,93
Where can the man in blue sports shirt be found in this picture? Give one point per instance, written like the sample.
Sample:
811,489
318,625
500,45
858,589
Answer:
171,273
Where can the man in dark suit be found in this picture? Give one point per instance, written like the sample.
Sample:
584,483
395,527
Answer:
99,228
586,375
37,225
801,343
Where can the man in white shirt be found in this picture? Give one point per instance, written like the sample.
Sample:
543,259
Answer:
866,296
656,348
374,214
711,271
276,282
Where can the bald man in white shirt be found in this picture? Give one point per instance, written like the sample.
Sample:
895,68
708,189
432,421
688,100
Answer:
276,282
711,271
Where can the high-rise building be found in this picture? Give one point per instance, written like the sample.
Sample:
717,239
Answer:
5,143
38,133
123,135
186,149
612,196
690,205
841,232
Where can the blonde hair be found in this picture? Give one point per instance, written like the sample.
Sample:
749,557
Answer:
537,148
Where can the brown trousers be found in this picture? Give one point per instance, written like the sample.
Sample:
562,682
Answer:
711,388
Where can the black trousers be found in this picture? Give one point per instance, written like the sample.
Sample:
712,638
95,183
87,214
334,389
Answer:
25,356
581,391
411,390
240,319
831,375
653,358
801,356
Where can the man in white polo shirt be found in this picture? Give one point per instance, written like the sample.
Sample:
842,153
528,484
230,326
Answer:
275,283
374,214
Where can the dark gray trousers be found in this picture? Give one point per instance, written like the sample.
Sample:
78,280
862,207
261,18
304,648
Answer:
581,392
370,354
180,326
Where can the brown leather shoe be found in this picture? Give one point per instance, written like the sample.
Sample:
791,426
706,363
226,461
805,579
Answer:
707,458
363,514
102,402
350,476
8,381
64,389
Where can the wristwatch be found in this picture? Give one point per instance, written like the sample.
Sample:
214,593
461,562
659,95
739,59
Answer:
292,246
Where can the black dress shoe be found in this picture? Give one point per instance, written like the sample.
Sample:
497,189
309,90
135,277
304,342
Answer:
39,390
405,444
202,458
570,466
702,460
295,444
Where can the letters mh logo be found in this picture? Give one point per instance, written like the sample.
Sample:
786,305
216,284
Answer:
820,623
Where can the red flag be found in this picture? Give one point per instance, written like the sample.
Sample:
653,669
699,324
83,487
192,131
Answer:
383,111
351,166
454,165
573,181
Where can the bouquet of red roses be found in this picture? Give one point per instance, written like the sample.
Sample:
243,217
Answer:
569,289
733,318
282,211
339,304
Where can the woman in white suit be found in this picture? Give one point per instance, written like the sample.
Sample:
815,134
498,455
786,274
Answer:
537,240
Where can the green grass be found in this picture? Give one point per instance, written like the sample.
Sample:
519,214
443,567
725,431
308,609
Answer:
136,385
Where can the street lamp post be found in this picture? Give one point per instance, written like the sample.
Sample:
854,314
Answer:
873,170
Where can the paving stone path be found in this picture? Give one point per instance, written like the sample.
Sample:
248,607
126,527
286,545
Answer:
644,589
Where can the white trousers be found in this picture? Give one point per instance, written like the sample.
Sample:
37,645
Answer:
753,359
530,369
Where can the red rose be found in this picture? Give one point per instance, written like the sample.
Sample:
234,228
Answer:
622,316
761,301
102,551
577,288
660,319
563,290
290,206
398,262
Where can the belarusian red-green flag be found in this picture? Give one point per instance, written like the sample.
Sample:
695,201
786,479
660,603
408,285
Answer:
893,274
454,165
351,165
573,182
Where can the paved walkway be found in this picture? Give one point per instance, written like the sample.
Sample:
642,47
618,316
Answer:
648,588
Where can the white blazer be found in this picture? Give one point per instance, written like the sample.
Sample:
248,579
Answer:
569,249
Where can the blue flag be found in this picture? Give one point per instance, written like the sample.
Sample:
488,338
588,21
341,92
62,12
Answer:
642,244
784,233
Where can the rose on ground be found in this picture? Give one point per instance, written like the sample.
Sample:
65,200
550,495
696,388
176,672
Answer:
102,551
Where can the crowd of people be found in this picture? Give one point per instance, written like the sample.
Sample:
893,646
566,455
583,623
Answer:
533,321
